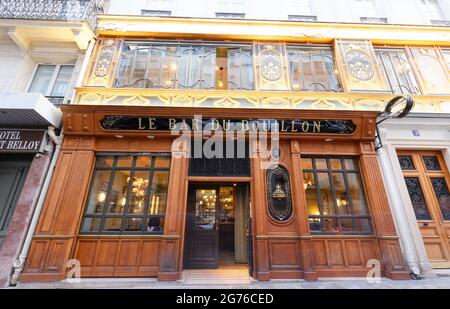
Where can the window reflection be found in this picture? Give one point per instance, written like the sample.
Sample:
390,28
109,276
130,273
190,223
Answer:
128,194
335,196
205,209
185,66
312,69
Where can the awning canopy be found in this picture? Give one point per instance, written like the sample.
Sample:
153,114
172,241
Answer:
28,111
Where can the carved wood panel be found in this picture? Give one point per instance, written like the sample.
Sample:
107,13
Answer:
118,257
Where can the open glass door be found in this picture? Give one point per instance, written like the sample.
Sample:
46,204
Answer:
202,235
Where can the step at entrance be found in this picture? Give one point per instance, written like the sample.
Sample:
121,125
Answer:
235,276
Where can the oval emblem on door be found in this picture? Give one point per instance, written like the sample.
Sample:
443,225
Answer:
279,193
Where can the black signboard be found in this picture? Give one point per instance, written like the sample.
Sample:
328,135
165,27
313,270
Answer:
213,124
29,141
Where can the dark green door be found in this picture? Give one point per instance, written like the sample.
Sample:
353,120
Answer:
13,173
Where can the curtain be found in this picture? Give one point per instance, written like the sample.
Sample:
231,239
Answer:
240,226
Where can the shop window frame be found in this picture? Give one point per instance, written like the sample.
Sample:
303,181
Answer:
357,171
145,216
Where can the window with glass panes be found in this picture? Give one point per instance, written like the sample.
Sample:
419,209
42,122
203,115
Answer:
312,69
128,194
335,196
185,66
397,71
52,81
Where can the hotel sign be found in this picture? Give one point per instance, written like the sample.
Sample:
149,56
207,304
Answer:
138,123
29,141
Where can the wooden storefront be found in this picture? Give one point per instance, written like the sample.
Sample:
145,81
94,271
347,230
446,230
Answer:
279,249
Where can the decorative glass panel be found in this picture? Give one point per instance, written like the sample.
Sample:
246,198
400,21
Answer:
185,66
335,196
397,71
312,69
442,195
406,163
128,194
432,70
205,209
417,198
431,163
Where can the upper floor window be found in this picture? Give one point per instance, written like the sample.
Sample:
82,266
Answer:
312,69
433,10
231,6
376,20
185,66
128,194
302,17
230,15
52,81
300,7
397,71
155,13
367,11
335,196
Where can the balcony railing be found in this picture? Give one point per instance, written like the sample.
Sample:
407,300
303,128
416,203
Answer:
58,10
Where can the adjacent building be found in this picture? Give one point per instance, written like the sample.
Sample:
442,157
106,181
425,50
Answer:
42,48
332,191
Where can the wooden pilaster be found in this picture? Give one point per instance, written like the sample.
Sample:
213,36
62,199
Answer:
391,254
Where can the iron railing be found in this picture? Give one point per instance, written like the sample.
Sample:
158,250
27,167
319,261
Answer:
58,10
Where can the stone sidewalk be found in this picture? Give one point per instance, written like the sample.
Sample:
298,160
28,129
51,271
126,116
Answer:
440,282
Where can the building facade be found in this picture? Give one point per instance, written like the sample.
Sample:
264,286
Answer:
135,192
42,47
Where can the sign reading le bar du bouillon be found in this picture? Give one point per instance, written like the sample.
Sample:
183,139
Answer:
21,140
214,124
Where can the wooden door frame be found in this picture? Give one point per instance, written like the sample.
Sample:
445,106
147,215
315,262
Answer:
217,181
433,206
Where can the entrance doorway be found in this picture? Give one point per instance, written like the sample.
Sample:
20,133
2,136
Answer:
428,181
13,172
217,226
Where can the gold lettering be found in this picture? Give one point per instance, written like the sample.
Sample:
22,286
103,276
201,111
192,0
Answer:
226,125
151,123
172,123
195,124
305,126
244,125
215,125
293,129
317,126
184,125
141,127
283,128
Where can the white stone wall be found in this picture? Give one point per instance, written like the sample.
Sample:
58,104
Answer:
434,134
397,12
18,66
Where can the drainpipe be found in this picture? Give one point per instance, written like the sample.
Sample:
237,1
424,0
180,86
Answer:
20,262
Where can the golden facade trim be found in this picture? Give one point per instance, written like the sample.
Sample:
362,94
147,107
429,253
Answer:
252,99
317,32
